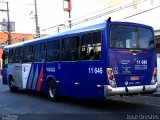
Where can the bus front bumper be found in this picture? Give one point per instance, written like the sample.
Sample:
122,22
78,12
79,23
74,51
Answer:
130,90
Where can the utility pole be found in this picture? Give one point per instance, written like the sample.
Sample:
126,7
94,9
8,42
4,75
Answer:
70,24
36,20
67,6
8,25
8,22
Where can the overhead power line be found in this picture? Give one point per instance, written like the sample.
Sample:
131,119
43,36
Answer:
109,12
106,13
77,19
95,12
140,13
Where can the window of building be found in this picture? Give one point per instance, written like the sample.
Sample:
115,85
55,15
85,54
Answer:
70,48
91,46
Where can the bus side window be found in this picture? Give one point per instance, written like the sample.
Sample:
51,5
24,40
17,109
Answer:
28,53
11,55
43,52
70,48
37,55
30,56
18,55
86,46
39,52
25,54
91,46
53,50
21,54
97,45
56,47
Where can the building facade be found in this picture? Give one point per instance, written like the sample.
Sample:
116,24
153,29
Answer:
139,11
15,38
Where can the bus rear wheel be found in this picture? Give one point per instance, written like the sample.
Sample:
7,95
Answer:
52,91
12,86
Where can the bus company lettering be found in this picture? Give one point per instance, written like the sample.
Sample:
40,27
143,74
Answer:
18,68
51,69
125,62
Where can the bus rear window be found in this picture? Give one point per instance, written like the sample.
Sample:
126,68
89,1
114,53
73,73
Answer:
123,36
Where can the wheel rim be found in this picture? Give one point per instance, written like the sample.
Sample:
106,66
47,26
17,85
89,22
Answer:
51,91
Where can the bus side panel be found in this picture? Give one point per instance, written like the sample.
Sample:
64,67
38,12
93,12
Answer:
34,77
25,74
16,71
75,79
93,74
65,75
71,78
92,80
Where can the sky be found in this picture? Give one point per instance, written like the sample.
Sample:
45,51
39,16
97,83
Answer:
50,13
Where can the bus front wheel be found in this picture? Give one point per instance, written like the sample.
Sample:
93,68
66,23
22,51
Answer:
12,86
52,91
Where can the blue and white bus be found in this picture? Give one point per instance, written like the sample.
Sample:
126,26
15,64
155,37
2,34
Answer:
102,60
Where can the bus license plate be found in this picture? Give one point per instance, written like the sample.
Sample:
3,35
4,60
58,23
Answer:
134,77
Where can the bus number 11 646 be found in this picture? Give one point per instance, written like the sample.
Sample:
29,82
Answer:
95,70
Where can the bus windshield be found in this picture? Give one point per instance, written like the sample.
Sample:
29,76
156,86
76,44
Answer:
125,36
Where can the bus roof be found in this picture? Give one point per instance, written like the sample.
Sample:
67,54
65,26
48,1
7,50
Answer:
69,32
73,31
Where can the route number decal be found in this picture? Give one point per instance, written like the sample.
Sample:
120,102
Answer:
141,65
95,70
141,62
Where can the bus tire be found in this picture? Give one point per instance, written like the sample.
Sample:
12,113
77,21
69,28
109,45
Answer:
11,85
52,91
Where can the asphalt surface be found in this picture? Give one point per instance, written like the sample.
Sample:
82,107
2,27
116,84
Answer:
29,105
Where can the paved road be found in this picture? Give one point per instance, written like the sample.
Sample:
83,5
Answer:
30,105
